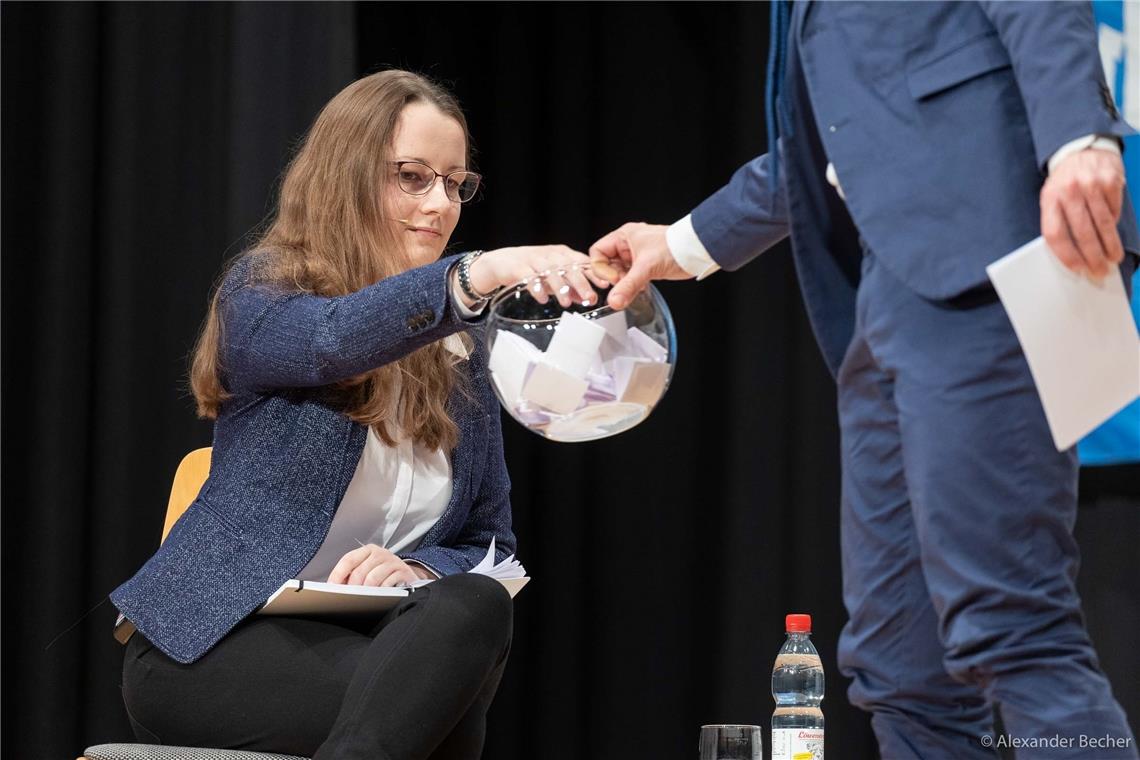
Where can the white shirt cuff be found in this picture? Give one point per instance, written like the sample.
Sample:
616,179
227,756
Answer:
1096,142
833,180
457,300
688,250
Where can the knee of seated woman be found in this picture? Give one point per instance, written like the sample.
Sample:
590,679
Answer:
477,605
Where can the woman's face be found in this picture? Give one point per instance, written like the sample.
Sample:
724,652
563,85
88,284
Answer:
425,222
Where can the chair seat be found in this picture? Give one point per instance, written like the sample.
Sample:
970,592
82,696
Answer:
162,752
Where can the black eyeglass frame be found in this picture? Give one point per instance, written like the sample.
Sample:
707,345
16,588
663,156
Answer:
479,183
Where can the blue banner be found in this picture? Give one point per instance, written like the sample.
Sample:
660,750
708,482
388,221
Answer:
1118,38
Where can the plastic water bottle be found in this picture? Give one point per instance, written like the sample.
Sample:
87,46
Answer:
797,687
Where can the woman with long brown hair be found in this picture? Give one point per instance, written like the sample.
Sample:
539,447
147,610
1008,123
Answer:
356,440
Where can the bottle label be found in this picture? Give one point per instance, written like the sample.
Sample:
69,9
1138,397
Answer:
797,744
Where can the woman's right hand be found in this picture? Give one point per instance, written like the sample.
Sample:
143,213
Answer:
548,270
373,565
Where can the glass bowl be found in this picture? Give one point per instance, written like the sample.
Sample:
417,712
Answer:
580,373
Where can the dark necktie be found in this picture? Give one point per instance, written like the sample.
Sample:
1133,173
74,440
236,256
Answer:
777,63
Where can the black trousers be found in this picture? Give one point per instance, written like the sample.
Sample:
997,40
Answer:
417,684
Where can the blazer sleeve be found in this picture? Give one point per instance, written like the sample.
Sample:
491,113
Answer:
744,218
274,338
490,515
1053,49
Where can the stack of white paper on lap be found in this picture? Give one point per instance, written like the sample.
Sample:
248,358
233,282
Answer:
509,569
296,597
595,373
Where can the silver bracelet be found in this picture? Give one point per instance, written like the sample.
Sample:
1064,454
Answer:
464,273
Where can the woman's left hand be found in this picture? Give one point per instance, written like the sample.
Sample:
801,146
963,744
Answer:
373,565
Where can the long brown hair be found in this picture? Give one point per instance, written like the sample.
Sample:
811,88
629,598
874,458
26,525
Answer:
330,237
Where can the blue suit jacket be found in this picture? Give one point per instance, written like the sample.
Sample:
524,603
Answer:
940,118
283,458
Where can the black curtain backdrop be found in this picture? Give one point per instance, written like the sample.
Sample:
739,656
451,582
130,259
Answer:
141,144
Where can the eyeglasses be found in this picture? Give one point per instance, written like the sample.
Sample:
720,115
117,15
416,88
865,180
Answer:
416,178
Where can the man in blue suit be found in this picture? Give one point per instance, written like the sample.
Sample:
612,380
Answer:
917,143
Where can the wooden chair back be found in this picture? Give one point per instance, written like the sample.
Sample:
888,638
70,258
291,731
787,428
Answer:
188,479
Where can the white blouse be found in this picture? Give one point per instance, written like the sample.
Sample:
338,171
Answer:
396,495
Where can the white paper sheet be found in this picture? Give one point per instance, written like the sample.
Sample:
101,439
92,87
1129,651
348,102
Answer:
553,389
576,340
1078,336
510,361
640,381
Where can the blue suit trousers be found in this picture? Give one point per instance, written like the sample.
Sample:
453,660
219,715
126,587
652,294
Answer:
957,534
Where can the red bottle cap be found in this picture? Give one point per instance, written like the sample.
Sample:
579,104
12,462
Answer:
798,623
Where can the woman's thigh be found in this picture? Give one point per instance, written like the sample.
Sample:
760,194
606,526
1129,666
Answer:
272,684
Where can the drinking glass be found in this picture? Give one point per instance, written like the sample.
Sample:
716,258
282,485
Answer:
731,742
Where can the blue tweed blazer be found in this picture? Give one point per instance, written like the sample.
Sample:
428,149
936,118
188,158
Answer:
283,457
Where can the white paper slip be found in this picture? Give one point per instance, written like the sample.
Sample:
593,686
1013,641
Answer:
640,381
576,340
1078,336
511,358
553,389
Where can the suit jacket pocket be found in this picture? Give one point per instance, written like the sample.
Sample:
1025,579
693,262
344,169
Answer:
970,60
228,525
